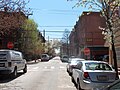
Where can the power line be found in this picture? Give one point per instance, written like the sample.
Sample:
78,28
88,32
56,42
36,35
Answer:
53,31
55,26
56,10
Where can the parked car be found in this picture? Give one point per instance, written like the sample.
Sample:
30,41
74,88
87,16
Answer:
11,62
106,58
89,74
64,58
113,86
72,63
45,57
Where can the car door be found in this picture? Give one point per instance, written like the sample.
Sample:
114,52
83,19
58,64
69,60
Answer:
77,71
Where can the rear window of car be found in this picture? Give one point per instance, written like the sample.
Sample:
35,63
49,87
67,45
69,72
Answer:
65,57
44,56
97,66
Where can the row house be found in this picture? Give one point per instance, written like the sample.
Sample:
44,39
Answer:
72,50
86,34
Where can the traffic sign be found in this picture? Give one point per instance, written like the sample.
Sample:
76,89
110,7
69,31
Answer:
87,51
10,45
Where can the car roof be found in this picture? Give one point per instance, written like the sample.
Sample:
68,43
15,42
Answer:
84,61
6,50
77,59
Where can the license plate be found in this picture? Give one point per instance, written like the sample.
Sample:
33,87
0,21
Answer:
102,78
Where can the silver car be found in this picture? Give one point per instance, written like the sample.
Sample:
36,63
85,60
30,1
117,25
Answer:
92,75
72,63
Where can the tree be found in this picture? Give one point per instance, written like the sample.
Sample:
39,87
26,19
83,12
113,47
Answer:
14,6
65,37
31,42
12,15
109,10
65,41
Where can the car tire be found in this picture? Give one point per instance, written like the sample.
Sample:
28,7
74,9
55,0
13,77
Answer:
70,73
25,69
78,86
73,80
67,70
14,74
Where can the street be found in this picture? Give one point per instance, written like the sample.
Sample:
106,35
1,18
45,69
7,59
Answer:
51,75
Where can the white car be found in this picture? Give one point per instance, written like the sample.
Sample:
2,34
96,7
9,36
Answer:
11,62
93,74
72,63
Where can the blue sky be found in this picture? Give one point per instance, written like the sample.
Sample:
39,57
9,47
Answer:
54,15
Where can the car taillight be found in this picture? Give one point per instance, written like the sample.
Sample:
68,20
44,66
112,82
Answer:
9,64
86,75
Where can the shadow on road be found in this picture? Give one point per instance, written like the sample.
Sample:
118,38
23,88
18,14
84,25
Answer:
8,78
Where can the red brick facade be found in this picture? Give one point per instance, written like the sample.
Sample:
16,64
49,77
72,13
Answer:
87,33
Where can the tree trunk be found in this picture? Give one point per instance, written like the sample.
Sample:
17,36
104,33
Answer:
114,57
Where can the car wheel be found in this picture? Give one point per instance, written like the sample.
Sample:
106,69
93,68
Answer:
78,86
67,70
73,80
25,69
70,73
14,74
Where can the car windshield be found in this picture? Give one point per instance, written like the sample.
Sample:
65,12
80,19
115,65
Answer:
97,66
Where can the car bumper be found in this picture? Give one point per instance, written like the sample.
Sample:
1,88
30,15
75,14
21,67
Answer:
44,59
2,72
93,85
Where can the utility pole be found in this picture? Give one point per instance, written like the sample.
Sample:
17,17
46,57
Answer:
44,33
48,44
67,34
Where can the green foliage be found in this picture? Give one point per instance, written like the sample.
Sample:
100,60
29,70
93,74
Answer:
30,38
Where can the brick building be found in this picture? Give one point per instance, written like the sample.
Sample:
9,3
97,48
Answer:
87,34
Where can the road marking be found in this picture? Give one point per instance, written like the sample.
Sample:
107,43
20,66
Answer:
52,67
35,68
62,67
45,67
49,67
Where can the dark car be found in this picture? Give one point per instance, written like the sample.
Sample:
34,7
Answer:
106,58
45,57
64,58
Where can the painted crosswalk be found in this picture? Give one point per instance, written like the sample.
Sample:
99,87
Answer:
45,68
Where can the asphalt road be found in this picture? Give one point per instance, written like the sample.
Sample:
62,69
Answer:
50,75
